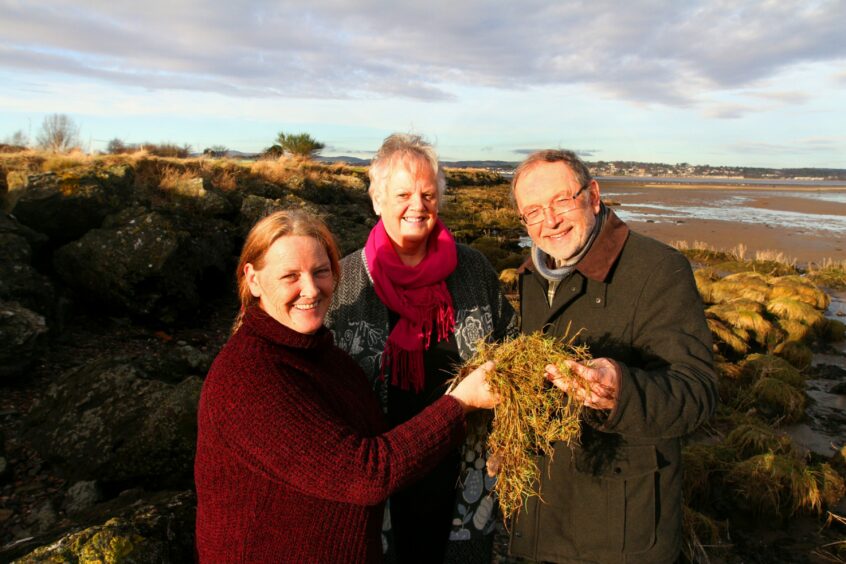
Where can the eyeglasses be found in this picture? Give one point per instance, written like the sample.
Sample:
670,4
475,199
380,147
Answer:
559,205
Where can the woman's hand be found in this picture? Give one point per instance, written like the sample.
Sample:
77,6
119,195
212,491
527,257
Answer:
473,392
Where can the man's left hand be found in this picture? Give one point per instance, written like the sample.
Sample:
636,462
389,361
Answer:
602,382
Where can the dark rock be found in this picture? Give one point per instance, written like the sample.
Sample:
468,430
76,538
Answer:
110,421
82,496
66,205
253,208
826,372
43,518
149,264
19,280
158,530
10,225
192,195
839,388
22,339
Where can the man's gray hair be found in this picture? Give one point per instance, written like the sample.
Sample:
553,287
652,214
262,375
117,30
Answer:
398,145
580,170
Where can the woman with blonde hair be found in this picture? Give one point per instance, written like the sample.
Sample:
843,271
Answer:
411,305
294,458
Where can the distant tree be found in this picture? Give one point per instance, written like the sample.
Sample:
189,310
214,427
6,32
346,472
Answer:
299,144
58,134
117,146
216,151
17,139
273,152
167,149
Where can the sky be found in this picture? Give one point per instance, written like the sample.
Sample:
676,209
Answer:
722,82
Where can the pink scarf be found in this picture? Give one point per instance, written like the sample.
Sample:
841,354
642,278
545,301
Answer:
418,294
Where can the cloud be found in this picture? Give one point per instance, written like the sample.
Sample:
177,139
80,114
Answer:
810,146
643,51
729,111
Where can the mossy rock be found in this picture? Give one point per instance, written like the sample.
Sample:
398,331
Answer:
157,531
833,331
796,353
752,438
775,400
774,485
757,366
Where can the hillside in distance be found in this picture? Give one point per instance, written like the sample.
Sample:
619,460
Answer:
636,169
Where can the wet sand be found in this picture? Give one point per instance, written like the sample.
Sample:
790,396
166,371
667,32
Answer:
811,242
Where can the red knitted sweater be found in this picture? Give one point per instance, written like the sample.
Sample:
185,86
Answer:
294,460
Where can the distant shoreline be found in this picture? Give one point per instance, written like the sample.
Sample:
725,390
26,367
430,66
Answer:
724,184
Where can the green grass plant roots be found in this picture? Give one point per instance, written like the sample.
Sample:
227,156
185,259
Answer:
533,415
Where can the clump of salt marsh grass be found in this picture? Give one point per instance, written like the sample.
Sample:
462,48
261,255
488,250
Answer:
533,414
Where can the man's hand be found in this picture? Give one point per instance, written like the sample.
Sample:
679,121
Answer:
602,377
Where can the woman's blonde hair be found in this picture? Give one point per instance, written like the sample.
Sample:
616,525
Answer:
395,147
280,224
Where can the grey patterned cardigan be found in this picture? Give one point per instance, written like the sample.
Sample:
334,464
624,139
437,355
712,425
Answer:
359,320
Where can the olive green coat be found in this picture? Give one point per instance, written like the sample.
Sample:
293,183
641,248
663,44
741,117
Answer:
617,497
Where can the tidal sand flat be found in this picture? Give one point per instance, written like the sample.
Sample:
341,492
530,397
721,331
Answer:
804,221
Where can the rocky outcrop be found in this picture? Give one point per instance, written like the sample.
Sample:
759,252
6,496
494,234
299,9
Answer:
149,264
157,530
194,196
65,205
19,280
113,421
22,339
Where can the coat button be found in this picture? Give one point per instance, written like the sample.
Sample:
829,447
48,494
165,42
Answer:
518,534
599,300
618,470
573,289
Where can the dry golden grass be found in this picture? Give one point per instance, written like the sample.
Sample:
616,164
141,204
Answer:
172,177
727,336
800,289
508,278
794,330
54,162
745,315
533,414
795,310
